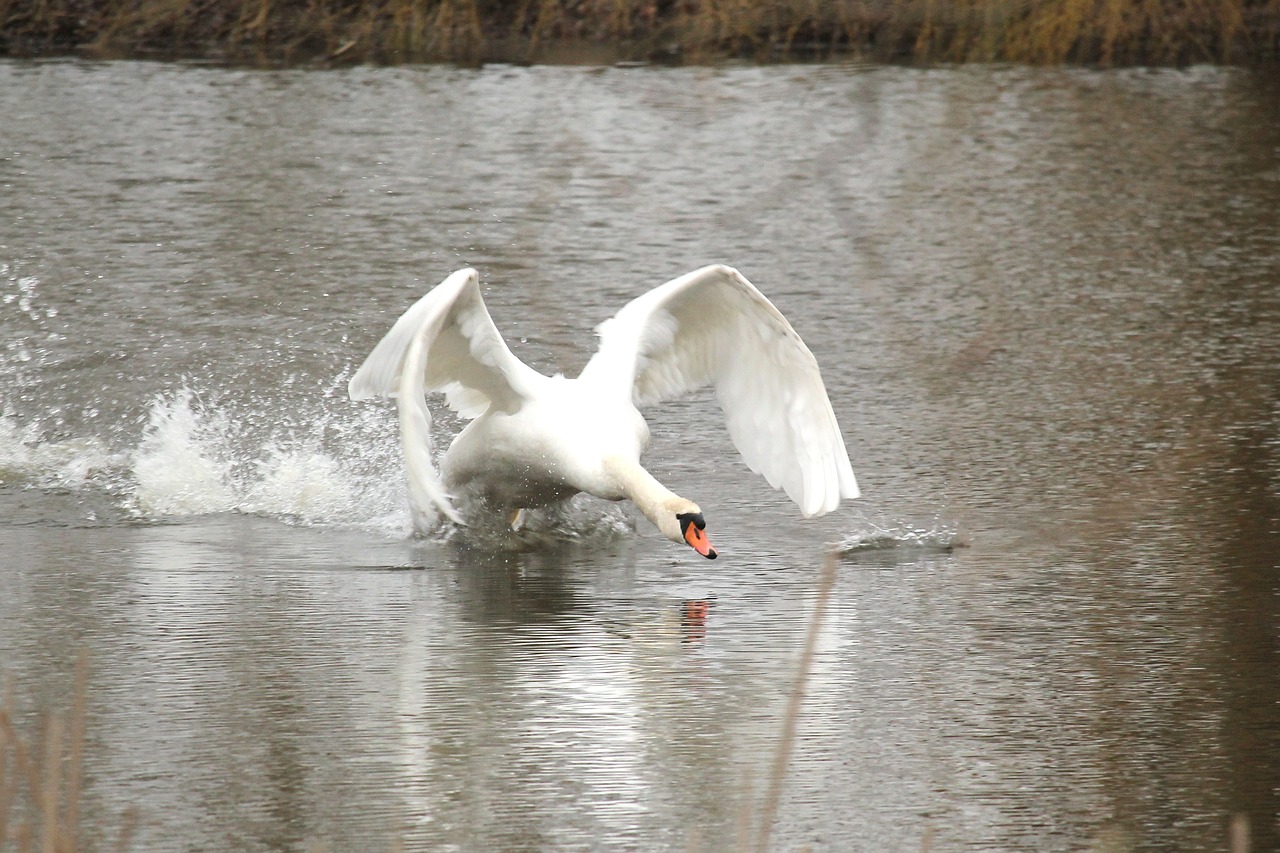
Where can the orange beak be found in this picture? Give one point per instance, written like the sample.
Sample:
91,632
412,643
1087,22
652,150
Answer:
699,542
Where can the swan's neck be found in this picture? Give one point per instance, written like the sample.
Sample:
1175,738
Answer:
658,503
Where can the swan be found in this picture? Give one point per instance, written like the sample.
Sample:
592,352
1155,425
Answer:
534,440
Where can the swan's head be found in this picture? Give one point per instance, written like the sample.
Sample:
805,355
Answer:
678,519
693,531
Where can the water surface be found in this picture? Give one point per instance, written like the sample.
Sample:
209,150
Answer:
1045,304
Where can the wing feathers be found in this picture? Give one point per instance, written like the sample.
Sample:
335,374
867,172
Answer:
445,342
429,496
712,326
464,354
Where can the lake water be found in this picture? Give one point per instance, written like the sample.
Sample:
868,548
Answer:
1047,308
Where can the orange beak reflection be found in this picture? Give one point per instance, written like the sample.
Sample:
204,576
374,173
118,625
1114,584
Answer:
698,541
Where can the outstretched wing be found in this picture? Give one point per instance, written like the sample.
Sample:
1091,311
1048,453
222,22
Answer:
445,342
712,326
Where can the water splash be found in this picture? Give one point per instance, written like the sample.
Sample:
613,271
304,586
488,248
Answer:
939,537
183,465
197,458
582,518
63,465
331,467
304,483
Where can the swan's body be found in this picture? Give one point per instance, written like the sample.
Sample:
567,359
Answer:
535,440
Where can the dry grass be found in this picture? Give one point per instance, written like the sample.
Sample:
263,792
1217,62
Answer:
284,31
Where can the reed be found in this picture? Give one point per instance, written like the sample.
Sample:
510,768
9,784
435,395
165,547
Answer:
389,31
47,771
754,834
41,777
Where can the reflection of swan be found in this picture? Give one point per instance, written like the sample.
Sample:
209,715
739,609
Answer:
535,440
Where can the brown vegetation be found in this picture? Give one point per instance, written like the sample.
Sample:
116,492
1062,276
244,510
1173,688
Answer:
40,778
284,31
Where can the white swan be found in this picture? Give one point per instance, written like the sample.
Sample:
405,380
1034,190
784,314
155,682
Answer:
534,440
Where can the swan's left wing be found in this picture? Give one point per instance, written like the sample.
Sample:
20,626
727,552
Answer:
712,326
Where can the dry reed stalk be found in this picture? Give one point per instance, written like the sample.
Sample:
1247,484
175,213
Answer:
75,766
6,744
127,828
48,794
53,783
1239,833
791,717
23,770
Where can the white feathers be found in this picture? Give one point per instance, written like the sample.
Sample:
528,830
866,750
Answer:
415,437
710,326
462,348
445,342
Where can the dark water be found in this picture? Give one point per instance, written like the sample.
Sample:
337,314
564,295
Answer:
1047,307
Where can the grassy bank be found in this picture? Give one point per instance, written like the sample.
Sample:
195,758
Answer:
389,31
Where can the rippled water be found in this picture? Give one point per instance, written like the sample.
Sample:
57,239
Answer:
1047,307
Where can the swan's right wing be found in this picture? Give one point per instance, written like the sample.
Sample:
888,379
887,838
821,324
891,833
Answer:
465,356
445,342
